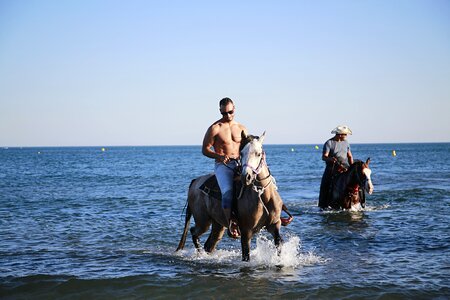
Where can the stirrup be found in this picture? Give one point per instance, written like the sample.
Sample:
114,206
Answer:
233,230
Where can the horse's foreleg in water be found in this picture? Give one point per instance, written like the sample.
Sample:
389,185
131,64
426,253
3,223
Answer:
215,236
245,244
274,230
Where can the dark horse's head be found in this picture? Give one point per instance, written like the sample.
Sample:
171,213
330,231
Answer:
361,173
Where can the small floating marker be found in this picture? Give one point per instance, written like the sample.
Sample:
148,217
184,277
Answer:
316,147
103,149
39,152
394,153
292,149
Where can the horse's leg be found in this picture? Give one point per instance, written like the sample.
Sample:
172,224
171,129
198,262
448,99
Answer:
214,237
197,230
246,236
347,202
274,230
362,197
355,200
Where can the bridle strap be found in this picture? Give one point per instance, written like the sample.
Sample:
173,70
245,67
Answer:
258,187
262,162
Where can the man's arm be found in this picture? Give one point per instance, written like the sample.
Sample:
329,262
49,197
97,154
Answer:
328,159
208,142
350,157
325,153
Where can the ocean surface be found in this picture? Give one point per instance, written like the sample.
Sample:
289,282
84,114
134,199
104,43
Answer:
82,223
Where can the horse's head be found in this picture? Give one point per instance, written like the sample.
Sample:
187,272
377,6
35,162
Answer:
364,173
252,156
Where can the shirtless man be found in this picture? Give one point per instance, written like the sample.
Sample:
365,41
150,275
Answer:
221,142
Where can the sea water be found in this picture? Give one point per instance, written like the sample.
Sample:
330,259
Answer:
93,223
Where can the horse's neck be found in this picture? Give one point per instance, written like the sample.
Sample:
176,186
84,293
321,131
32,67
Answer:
264,173
350,176
265,181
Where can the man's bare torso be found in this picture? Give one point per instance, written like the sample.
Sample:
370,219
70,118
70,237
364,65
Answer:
228,139
225,138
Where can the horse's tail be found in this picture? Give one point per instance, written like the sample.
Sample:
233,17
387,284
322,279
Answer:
187,221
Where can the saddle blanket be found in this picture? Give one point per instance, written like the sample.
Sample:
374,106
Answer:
211,187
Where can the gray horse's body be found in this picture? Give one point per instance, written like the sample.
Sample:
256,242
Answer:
207,211
258,206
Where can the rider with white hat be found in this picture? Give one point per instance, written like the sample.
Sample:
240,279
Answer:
338,157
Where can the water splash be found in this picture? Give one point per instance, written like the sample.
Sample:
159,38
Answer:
264,255
290,256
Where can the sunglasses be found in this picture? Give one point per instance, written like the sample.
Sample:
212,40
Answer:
227,112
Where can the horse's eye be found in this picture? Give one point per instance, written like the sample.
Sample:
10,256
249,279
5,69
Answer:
258,154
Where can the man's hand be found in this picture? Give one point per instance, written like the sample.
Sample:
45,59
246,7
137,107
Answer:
225,159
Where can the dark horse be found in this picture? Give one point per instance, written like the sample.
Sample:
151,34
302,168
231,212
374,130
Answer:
347,190
259,204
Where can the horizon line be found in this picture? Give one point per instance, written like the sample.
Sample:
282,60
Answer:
199,145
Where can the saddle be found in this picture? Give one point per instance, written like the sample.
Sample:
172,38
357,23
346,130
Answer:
211,188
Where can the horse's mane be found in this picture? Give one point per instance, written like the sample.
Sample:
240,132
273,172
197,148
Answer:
247,140
355,163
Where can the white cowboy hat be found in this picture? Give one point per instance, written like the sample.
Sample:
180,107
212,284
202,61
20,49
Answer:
342,129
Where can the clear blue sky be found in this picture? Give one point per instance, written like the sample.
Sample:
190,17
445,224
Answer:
102,73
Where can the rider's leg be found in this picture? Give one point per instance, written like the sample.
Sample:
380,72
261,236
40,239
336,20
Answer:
224,175
227,199
325,185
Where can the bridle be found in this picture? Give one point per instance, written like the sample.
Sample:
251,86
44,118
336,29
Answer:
258,184
262,163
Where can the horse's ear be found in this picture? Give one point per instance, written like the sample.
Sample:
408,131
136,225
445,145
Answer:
243,135
368,161
261,138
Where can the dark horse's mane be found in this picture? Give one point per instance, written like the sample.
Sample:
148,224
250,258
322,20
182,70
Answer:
247,140
353,166
356,162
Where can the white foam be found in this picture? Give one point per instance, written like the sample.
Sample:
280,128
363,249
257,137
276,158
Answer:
265,254
356,207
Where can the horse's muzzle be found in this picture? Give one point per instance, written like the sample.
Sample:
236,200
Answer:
248,179
369,187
